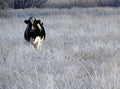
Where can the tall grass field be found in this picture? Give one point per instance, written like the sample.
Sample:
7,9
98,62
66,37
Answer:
81,49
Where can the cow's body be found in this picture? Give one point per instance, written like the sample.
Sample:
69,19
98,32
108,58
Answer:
34,32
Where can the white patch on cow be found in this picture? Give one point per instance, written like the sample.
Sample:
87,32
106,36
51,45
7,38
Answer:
32,20
32,27
37,42
39,26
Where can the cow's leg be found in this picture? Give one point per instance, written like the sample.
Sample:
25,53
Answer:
31,40
38,42
34,42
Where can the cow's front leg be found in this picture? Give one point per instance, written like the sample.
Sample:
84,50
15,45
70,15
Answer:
36,42
40,42
32,40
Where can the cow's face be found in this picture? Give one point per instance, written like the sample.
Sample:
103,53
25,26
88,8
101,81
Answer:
32,22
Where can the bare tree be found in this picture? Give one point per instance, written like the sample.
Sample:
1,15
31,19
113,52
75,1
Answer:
28,3
17,4
3,4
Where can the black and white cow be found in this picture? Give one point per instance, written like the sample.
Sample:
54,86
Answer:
35,32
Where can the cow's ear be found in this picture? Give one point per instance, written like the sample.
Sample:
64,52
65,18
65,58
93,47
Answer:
38,21
26,21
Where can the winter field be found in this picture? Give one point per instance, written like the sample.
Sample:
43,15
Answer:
81,50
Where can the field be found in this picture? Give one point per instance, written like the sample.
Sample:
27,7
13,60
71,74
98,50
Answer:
81,50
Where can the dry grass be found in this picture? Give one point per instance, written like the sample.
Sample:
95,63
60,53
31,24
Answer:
81,50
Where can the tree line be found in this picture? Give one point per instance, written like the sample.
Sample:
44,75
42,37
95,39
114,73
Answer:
18,4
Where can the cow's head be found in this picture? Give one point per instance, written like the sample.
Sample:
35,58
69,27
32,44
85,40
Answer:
32,22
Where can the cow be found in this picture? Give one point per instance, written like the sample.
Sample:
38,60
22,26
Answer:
34,32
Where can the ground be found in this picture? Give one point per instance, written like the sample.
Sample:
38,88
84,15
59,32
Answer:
81,50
